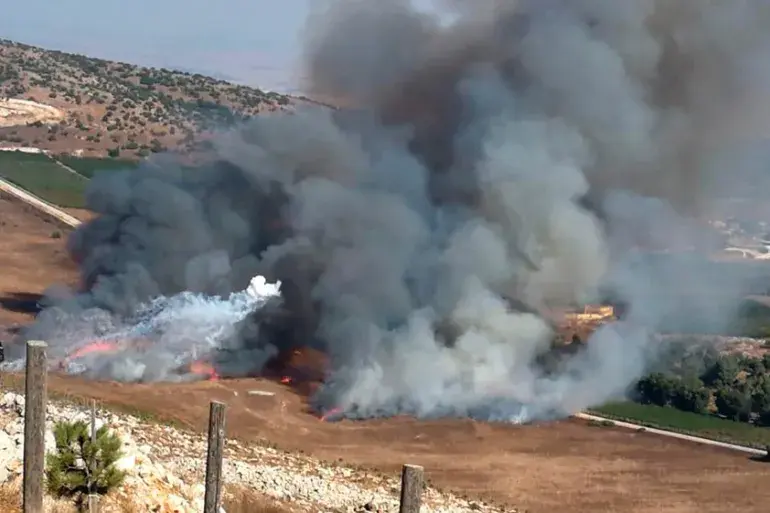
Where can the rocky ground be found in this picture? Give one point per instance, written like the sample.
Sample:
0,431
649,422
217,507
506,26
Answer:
166,467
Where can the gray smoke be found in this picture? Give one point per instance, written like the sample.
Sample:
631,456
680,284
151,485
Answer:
493,167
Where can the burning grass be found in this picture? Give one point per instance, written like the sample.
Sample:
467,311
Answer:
671,419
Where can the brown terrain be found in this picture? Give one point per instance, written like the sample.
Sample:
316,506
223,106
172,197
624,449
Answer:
111,108
25,234
568,466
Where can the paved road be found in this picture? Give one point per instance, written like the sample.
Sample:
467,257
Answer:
40,204
671,434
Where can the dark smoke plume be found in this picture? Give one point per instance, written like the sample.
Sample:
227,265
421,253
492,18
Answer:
493,167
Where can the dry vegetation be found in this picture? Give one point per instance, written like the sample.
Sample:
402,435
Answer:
234,500
119,109
244,500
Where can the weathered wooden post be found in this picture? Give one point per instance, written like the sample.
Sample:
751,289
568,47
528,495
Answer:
35,400
93,498
412,483
93,503
211,500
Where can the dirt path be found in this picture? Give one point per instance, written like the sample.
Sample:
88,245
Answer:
42,206
671,434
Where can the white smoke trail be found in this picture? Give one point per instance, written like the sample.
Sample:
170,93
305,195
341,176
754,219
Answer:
159,341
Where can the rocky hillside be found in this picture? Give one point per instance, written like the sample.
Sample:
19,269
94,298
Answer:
114,108
166,469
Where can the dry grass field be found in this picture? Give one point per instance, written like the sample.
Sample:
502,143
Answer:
567,466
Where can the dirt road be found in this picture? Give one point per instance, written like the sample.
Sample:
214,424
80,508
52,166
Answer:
671,434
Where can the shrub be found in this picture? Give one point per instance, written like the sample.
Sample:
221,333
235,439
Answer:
690,395
656,388
79,467
734,404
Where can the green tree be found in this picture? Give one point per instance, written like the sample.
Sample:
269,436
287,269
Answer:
656,388
689,394
753,366
734,404
760,402
79,467
723,372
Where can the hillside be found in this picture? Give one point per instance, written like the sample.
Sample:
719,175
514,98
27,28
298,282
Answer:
67,103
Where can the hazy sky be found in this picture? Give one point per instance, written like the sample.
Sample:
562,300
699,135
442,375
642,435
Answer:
253,41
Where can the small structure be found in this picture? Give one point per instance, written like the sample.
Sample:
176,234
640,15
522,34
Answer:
591,313
577,325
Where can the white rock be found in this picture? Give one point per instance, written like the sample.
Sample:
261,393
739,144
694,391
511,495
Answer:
261,392
127,463
8,452
14,428
50,442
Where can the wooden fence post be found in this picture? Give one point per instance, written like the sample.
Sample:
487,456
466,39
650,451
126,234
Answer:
412,483
93,503
211,500
35,400
93,498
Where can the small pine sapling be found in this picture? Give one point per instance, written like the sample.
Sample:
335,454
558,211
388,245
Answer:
80,467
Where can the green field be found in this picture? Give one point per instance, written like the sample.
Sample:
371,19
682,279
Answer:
42,177
671,419
90,166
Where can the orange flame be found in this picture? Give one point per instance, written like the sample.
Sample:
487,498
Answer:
99,346
205,368
330,413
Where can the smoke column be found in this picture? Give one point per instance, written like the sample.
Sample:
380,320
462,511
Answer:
496,162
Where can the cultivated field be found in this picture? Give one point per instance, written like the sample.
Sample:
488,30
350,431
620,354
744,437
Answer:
569,466
43,177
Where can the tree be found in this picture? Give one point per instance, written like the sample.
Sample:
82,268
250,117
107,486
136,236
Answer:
722,373
760,402
752,366
690,395
656,388
79,467
734,404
